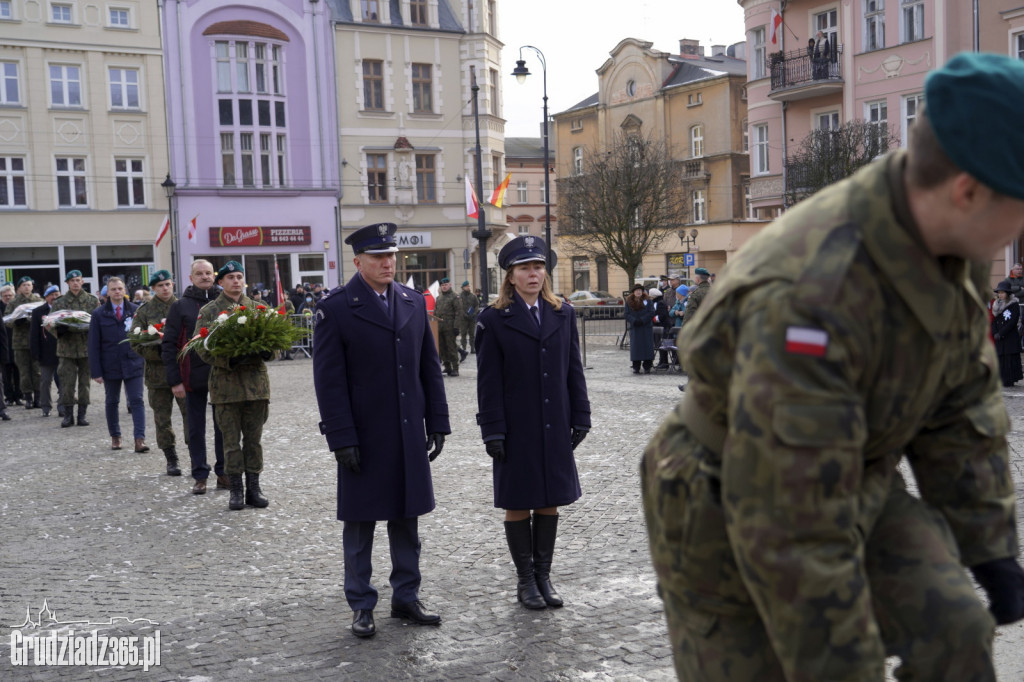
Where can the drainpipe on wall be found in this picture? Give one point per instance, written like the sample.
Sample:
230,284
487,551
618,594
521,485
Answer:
977,37
785,174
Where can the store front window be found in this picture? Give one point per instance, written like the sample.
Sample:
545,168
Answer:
425,267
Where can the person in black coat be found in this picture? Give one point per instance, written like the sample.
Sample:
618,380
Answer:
662,325
1005,317
112,363
43,347
5,351
189,377
639,315
384,414
533,411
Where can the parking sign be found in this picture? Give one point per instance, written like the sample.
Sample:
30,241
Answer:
689,260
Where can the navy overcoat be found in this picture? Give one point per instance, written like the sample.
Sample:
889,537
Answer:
641,338
379,387
531,390
108,357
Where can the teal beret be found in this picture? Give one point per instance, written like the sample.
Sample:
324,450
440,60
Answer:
24,279
445,280
466,283
72,274
702,271
159,276
230,266
974,104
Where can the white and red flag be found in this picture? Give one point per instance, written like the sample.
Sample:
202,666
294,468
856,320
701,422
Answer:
164,228
192,229
806,341
774,25
472,205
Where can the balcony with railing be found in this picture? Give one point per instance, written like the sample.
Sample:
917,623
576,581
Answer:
695,169
798,75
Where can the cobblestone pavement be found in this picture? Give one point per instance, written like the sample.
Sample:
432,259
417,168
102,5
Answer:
97,534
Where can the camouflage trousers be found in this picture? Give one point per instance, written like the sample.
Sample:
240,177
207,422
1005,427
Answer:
467,332
242,427
448,350
162,400
73,372
926,609
28,370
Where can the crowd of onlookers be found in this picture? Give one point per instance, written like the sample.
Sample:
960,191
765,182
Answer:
655,316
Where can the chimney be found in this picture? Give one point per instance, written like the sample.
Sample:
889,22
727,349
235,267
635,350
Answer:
690,47
717,50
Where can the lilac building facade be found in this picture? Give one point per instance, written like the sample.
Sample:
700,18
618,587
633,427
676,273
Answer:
252,120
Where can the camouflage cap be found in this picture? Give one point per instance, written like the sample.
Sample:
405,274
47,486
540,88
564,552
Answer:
974,103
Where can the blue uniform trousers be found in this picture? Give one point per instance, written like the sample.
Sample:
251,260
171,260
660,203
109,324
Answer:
133,394
357,540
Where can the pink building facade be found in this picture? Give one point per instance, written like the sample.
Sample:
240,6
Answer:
828,64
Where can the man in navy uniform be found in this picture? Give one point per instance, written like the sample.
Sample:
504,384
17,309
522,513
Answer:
384,413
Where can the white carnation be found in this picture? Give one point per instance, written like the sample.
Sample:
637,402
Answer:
222,317
242,319
151,330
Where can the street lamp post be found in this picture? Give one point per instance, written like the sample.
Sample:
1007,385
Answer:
169,186
521,72
482,234
688,240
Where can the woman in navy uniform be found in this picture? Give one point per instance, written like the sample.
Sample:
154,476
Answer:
533,413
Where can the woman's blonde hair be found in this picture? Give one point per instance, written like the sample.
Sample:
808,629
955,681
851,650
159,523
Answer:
508,288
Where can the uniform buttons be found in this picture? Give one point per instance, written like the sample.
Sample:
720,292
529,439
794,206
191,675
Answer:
543,350
546,401
547,426
545,374
402,394
401,367
405,421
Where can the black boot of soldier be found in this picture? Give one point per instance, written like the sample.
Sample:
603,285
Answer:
237,499
253,494
81,415
69,417
172,462
30,403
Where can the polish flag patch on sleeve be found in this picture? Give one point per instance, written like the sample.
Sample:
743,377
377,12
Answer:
806,341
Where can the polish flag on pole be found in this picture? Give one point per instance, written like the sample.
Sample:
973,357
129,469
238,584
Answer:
775,23
499,192
164,229
280,289
472,205
192,230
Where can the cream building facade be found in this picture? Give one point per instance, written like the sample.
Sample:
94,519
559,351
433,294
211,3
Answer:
696,104
82,140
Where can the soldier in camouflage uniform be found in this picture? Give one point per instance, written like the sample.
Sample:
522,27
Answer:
697,294
161,399
448,312
467,322
73,350
847,335
28,366
240,395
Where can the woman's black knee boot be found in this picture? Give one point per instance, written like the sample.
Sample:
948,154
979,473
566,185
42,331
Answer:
545,528
520,545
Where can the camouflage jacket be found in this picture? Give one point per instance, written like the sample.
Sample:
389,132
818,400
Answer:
153,311
448,309
694,299
833,346
470,306
21,328
243,382
72,343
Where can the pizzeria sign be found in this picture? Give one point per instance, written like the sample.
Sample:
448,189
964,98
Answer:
260,236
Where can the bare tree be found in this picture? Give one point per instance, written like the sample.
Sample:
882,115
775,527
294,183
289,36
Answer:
624,200
827,156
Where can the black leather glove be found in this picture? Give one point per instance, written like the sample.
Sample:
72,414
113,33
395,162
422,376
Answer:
638,323
348,458
577,436
266,355
242,360
1003,582
996,337
435,443
496,449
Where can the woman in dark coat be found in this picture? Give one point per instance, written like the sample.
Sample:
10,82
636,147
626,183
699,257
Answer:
1005,315
533,413
112,363
640,319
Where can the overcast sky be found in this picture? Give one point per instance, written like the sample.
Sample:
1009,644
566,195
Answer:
576,38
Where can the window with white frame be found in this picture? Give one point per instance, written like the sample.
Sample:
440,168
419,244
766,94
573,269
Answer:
911,20
130,183
874,25
522,192
911,106
373,84
12,181
543,193
65,85
10,90
761,165
248,162
1018,43
418,12
577,160
71,191
422,89
697,141
877,116
699,208
227,158
6,10
828,120
120,17
759,49
377,177
748,204
745,136
371,10
495,79
282,147
61,13
524,229
266,161
124,88
426,178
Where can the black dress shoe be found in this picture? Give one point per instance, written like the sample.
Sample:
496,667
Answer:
414,611
362,623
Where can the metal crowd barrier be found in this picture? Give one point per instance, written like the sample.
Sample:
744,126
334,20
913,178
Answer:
305,344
